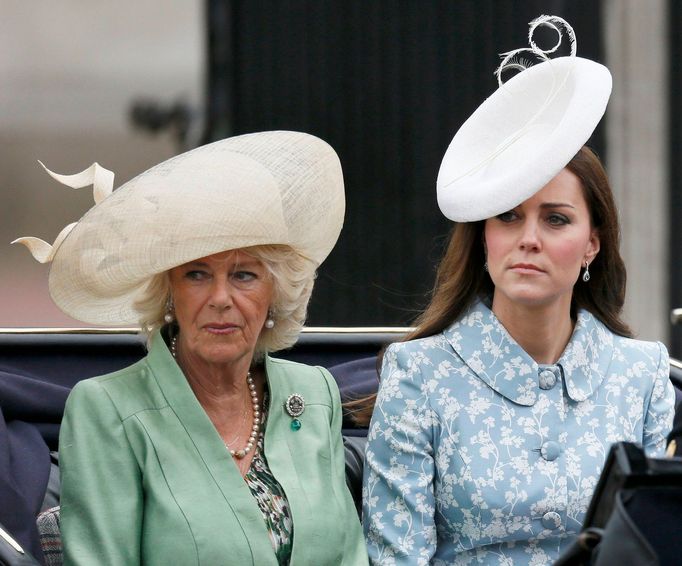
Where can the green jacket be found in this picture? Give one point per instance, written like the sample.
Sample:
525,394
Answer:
147,479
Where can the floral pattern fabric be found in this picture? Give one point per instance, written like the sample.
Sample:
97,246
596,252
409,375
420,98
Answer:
479,455
272,501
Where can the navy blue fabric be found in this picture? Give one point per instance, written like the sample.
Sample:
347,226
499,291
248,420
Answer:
30,412
33,400
356,379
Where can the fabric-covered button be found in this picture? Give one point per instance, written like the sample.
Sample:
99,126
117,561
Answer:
550,450
551,520
547,379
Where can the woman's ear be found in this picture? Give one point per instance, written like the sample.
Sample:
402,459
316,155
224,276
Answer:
593,246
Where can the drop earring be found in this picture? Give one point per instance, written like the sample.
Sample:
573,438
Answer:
168,317
269,323
586,273
485,267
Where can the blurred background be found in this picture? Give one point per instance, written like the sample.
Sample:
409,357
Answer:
385,82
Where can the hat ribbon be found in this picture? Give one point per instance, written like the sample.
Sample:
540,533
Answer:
102,181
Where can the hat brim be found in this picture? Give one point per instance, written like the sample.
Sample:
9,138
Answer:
521,137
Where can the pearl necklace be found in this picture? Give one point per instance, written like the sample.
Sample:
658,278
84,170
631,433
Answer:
255,404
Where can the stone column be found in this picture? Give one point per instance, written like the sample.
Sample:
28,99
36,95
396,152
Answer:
636,40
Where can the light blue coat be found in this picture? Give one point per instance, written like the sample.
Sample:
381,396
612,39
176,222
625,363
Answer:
479,455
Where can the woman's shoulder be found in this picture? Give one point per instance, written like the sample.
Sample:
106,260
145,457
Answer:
436,341
595,333
296,369
637,344
419,348
129,390
632,349
110,381
301,378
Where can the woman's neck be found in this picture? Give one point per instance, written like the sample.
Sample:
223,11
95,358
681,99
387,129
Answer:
215,385
232,396
542,331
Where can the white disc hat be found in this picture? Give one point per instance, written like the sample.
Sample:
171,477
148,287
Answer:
264,188
524,133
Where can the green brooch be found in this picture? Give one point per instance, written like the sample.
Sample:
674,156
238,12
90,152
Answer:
294,406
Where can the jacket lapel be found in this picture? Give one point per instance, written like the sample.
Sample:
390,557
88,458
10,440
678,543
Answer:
278,436
211,450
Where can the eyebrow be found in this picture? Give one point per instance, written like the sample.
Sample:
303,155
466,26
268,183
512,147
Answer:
556,205
248,262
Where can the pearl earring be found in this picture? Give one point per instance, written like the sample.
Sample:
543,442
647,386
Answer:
269,323
168,317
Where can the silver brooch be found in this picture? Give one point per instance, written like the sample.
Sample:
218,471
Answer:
295,405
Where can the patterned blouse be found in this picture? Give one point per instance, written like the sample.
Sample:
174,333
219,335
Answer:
271,500
479,455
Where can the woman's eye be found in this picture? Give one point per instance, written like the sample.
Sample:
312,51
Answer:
196,275
507,216
244,276
557,219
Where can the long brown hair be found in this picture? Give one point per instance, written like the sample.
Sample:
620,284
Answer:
461,277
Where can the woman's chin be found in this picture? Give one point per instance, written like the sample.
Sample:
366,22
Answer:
221,354
530,296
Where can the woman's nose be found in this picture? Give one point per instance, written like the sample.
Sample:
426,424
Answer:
530,237
221,294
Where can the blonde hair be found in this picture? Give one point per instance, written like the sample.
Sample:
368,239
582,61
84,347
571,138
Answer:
293,278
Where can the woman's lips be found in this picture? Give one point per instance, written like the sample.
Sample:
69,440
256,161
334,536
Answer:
220,328
527,268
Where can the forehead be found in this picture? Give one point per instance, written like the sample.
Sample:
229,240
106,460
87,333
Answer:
239,256
564,188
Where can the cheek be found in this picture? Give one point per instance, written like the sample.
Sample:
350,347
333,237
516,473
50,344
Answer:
257,303
186,302
266,294
569,253
185,308
495,245
177,289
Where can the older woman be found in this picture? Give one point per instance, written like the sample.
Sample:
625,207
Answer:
207,451
494,417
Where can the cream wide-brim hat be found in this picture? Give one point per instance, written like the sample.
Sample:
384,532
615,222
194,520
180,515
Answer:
264,188
521,137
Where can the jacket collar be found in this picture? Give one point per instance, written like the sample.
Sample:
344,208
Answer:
489,351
